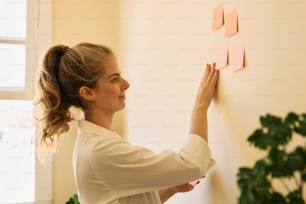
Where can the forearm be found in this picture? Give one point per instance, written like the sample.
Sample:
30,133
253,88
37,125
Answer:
165,194
199,122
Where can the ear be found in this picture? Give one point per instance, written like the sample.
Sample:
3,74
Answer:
87,93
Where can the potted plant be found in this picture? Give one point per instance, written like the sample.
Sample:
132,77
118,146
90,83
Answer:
73,199
279,163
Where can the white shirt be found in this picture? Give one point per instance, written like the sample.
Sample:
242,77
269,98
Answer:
109,170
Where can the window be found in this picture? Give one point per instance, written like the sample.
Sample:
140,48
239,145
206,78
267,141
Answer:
25,33
15,42
16,151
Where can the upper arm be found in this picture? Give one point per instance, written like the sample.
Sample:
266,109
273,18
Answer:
120,165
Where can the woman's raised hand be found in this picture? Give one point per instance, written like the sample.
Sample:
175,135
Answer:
207,87
203,99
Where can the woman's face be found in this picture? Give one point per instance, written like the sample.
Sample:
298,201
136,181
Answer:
110,88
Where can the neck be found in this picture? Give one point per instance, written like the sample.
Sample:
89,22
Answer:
102,119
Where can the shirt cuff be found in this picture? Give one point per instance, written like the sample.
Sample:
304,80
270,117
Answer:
199,150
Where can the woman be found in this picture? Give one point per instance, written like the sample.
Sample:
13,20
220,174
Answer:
107,168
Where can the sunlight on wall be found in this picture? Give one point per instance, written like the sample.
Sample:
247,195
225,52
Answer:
166,45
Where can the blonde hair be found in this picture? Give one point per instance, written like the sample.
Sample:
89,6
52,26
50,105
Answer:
64,71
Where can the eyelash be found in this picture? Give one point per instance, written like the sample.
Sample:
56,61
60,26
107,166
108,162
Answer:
114,79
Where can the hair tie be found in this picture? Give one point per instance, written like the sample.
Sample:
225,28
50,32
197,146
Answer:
64,49
61,51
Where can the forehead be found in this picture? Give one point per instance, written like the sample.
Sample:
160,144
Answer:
110,66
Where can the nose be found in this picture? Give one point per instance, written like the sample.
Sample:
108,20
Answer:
126,84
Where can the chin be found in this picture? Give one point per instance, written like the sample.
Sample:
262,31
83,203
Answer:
121,107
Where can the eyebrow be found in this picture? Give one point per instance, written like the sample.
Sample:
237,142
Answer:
115,74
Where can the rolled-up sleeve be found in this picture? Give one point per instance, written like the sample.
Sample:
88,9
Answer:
198,150
129,168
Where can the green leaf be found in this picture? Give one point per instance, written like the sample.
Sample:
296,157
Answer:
277,198
278,166
244,175
70,201
279,135
291,118
296,160
304,176
261,168
245,171
302,128
262,185
251,197
270,120
75,198
246,197
264,121
295,197
259,139
243,183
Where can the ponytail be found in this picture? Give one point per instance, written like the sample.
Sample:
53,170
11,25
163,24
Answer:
56,111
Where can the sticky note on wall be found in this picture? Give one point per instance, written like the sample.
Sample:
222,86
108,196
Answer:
237,57
231,23
218,17
222,57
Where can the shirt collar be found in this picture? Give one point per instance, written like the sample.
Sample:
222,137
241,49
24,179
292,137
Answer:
86,126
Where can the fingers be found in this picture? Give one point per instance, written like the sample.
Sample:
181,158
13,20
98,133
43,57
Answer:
215,77
208,85
207,71
184,188
211,75
206,74
190,187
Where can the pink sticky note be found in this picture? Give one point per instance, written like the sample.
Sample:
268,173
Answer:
231,23
222,57
218,17
237,59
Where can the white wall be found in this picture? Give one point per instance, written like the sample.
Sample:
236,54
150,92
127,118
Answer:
164,47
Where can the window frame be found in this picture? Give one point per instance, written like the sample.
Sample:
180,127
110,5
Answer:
29,42
38,39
